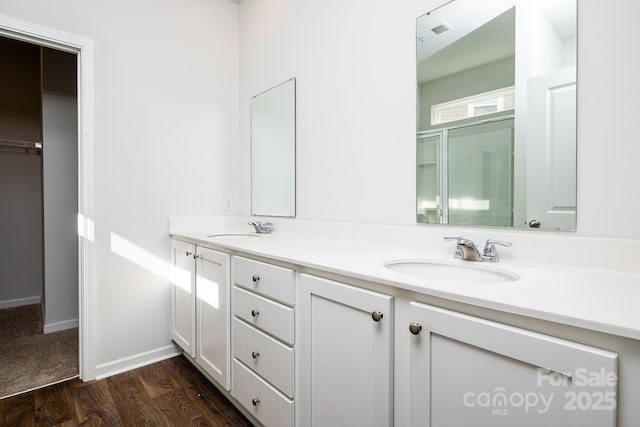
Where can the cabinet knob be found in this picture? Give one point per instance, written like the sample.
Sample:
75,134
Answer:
188,253
196,256
415,328
254,313
376,316
255,354
255,401
255,278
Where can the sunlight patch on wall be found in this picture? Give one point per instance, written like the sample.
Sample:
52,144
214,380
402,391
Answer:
86,228
145,259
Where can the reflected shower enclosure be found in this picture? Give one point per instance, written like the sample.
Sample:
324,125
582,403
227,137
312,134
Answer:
465,174
496,122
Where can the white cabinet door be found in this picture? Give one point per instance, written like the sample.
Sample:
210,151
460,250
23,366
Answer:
467,371
346,356
183,327
213,314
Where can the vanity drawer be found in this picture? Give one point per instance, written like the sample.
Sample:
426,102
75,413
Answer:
261,399
270,280
274,318
265,355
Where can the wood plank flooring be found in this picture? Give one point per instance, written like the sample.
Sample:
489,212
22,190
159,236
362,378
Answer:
168,393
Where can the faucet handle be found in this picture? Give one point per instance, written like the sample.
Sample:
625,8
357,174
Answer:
262,228
490,253
458,253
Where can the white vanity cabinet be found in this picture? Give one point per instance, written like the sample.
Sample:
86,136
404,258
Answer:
467,371
263,337
295,345
200,303
346,353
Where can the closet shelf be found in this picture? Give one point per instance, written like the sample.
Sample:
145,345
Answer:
17,145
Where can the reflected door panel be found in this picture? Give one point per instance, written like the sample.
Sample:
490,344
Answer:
551,168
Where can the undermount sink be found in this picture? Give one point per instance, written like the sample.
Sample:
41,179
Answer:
439,271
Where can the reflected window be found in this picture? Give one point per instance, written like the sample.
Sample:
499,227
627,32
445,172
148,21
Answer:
494,101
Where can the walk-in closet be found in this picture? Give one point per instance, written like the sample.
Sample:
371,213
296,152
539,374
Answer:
38,216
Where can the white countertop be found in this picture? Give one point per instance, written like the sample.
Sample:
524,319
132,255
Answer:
601,300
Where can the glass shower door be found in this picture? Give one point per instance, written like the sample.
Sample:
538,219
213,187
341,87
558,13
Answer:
480,174
429,182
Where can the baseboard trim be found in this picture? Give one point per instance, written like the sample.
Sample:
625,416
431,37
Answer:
119,366
19,302
60,326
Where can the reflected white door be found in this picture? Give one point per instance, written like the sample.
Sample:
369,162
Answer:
551,150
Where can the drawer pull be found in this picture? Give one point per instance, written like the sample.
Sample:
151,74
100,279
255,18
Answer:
415,328
255,354
376,316
255,401
254,313
255,278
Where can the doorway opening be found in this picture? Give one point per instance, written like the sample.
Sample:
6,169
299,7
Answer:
39,191
81,49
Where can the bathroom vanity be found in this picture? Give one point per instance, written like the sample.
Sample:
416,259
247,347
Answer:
304,330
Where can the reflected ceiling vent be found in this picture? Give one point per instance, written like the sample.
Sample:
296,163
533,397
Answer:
442,28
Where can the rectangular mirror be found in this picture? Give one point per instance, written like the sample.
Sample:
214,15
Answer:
273,151
496,114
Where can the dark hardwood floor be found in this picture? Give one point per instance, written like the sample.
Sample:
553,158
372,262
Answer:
168,393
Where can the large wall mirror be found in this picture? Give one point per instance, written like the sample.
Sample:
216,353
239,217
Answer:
273,151
496,114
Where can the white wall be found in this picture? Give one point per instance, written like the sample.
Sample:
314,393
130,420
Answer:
60,190
355,68
21,229
354,64
166,82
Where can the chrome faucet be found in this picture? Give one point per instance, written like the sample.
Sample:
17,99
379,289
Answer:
466,249
262,228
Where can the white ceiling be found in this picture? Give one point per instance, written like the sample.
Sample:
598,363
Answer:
493,33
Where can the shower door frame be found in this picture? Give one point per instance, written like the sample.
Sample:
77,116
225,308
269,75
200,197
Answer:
443,133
